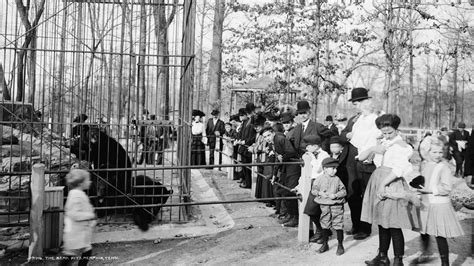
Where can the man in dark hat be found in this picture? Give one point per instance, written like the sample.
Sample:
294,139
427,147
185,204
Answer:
289,174
361,133
215,128
247,138
307,127
458,141
329,123
288,124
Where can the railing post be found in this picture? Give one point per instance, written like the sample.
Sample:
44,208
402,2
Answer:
230,170
36,212
254,174
53,222
305,186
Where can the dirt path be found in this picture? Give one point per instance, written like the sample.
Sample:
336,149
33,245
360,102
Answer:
257,239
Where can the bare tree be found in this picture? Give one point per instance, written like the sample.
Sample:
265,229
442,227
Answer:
215,64
3,85
28,44
161,32
141,90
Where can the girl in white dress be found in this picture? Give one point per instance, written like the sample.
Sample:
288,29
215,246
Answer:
437,214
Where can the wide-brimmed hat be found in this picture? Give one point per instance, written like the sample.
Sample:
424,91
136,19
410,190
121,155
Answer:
302,107
359,94
198,113
337,139
312,140
242,112
215,112
286,117
330,162
329,118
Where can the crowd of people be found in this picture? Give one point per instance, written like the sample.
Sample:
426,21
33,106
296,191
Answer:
366,164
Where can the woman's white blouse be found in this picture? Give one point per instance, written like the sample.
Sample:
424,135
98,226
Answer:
197,128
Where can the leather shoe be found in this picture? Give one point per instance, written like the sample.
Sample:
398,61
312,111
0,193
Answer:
293,222
318,235
243,185
340,250
361,236
324,247
284,219
353,231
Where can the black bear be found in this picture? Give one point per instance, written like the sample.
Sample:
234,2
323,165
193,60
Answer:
114,188
148,191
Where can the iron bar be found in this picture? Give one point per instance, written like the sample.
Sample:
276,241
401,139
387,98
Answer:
179,204
171,167
89,52
118,2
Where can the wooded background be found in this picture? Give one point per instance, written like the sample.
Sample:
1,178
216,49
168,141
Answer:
414,56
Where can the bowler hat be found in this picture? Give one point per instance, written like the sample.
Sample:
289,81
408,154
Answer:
337,139
359,94
242,112
461,125
302,107
286,117
215,112
330,162
250,107
329,118
312,140
259,120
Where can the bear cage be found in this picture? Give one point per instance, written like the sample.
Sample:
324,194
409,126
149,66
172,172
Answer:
122,69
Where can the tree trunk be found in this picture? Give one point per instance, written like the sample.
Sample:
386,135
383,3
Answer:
455,86
315,89
58,114
215,64
201,59
424,117
32,67
141,90
30,42
161,32
77,60
411,95
122,103
3,85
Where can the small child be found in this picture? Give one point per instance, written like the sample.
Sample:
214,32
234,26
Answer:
437,215
79,218
313,149
330,194
338,149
